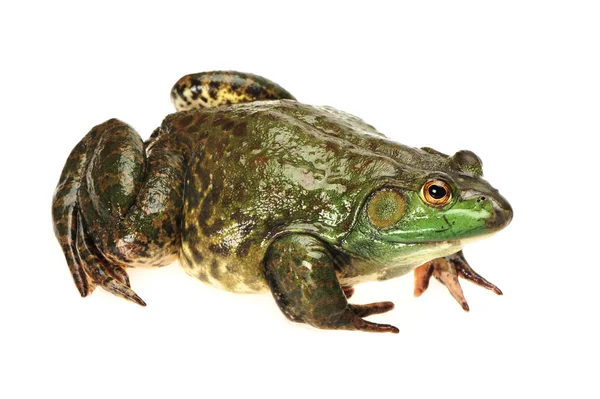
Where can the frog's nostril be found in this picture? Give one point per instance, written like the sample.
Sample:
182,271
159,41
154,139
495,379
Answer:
482,198
503,213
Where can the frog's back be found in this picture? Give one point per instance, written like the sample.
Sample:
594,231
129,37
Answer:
265,168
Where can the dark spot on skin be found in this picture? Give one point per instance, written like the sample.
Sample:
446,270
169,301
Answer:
179,89
243,249
185,121
215,226
203,179
155,133
236,85
331,146
240,129
214,269
195,82
190,232
219,249
167,227
202,276
198,258
228,125
255,90
213,89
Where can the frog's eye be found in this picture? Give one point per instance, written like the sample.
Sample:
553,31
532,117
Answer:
436,192
385,208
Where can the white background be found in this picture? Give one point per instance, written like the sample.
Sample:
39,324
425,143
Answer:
517,82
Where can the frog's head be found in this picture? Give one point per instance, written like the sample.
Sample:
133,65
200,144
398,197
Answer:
433,214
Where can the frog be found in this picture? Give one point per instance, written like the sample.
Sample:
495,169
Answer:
253,191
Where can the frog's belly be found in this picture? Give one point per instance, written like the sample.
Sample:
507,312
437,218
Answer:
229,273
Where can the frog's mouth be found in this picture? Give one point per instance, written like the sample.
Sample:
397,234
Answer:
462,225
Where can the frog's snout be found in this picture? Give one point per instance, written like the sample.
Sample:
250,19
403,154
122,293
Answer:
503,212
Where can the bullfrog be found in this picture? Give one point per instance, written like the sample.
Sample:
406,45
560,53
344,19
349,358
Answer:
254,191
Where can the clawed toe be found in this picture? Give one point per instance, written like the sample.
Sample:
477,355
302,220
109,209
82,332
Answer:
367,326
100,271
116,287
360,311
465,271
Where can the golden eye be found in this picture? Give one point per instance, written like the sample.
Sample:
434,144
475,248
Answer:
437,192
385,208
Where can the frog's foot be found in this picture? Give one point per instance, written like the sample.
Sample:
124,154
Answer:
218,88
447,270
99,271
302,275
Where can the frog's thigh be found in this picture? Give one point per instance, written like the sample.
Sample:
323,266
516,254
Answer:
218,88
113,175
301,274
130,201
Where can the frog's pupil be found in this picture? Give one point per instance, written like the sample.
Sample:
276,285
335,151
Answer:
437,192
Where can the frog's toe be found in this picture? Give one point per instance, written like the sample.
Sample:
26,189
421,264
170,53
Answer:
422,276
367,326
113,278
83,283
465,271
116,287
371,308
447,271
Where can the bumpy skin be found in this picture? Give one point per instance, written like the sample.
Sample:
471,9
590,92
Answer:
256,195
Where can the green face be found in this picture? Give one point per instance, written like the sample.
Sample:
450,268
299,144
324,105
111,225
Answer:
414,226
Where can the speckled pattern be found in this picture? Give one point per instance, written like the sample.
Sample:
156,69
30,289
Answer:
213,89
253,191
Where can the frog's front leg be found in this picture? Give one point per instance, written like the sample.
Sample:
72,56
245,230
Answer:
301,272
447,270
115,207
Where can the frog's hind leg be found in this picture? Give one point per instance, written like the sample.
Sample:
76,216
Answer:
80,182
301,273
218,88
113,207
